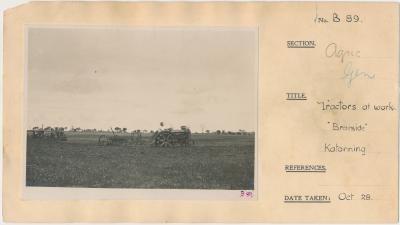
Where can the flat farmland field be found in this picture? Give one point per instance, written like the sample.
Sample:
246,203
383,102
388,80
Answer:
213,162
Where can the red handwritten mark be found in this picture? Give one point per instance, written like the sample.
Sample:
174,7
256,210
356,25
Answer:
246,194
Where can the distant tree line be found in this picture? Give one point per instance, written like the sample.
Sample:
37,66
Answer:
125,130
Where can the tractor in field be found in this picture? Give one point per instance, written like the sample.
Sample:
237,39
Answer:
36,133
172,138
58,134
49,133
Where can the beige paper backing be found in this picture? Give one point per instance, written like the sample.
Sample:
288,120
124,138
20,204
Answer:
289,132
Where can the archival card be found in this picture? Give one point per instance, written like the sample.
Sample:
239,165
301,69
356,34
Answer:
201,112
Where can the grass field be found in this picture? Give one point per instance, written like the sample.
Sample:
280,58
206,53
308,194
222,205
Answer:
214,162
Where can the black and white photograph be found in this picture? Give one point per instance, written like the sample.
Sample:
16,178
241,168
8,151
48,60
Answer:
141,108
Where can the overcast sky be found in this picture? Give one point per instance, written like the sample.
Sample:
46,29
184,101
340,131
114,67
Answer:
135,78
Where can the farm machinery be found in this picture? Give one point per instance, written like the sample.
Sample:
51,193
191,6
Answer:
56,133
172,138
134,138
161,138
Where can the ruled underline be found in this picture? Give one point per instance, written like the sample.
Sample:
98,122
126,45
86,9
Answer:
305,171
296,99
307,201
302,47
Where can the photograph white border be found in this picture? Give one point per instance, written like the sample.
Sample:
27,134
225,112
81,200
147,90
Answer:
76,193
